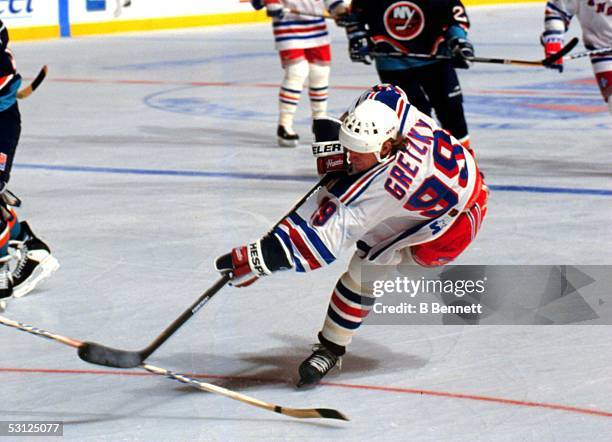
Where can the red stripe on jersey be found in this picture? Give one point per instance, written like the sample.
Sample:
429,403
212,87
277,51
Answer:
361,182
400,110
301,246
5,80
345,308
299,30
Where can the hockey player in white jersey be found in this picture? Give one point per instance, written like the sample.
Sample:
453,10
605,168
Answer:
302,41
595,17
410,194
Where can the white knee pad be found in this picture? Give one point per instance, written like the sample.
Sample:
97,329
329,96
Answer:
319,75
295,75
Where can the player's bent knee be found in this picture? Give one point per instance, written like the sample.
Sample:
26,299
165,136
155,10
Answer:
296,72
319,74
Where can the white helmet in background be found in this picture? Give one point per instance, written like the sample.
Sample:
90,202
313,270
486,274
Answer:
368,126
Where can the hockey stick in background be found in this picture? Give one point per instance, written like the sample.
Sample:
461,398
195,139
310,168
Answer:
300,413
544,62
111,357
27,91
308,14
298,12
602,51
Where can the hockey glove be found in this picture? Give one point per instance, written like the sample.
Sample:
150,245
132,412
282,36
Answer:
347,19
359,47
246,264
327,148
276,10
462,50
553,43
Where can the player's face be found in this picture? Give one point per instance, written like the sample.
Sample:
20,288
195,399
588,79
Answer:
358,162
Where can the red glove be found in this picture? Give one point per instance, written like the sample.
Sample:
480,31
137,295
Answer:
553,44
245,263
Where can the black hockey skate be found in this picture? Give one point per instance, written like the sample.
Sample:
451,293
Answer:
34,262
317,365
285,139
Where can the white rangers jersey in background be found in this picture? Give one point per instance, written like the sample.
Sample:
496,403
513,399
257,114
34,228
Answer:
295,31
595,18
410,198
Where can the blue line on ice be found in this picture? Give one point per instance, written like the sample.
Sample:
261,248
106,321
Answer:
280,177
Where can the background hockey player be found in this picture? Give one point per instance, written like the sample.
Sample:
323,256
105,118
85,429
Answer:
34,261
303,45
420,27
595,17
411,194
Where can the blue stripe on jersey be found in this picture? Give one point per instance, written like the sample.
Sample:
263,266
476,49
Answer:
295,103
559,10
345,323
313,238
385,63
9,97
599,60
302,37
318,88
354,297
366,185
318,99
552,32
456,31
404,235
404,116
298,22
285,238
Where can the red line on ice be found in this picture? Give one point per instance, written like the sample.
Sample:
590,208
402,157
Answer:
472,397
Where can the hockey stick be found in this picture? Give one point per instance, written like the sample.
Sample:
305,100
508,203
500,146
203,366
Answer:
308,14
112,357
602,51
27,91
300,413
544,62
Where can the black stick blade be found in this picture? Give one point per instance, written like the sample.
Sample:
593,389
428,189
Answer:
328,413
39,78
109,357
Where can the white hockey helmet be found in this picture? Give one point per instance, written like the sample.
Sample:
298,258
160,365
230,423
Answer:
368,126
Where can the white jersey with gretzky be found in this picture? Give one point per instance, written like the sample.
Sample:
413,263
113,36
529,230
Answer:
409,198
303,31
595,18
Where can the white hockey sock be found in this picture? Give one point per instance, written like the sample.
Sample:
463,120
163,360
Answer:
319,82
289,95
